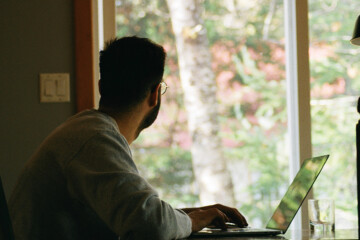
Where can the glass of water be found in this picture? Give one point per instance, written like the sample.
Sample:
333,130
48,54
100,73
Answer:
321,215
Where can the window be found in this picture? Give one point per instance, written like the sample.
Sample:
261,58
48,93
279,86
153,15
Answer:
247,46
248,62
334,65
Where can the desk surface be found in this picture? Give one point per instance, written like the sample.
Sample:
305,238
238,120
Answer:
301,235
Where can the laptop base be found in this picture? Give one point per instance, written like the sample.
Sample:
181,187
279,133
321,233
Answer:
232,232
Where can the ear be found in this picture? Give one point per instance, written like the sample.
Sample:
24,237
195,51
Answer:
154,96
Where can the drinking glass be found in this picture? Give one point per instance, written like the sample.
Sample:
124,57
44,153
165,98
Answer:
321,215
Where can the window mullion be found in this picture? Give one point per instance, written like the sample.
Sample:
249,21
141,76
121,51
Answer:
298,92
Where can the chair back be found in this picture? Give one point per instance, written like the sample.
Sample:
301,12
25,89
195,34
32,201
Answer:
358,165
6,230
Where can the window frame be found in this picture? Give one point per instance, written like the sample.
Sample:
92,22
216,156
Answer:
298,93
84,54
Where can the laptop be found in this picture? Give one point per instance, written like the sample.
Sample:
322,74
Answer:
287,208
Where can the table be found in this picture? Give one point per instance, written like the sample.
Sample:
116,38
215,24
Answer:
300,235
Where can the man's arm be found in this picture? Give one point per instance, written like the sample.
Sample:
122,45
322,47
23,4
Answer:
104,177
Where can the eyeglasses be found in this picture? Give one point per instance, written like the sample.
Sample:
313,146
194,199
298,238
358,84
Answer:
163,87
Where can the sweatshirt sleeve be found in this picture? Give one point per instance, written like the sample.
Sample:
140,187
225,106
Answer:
103,176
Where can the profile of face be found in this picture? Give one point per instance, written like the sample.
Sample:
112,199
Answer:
150,118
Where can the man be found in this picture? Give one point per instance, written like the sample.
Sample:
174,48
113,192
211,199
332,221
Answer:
82,182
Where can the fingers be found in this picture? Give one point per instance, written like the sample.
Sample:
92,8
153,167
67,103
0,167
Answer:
234,215
220,219
216,215
203,218
237,217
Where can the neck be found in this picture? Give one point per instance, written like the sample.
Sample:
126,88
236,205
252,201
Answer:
128,122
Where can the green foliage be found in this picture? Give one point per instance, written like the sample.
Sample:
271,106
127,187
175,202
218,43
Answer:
169,169
336,137
326,71
334,117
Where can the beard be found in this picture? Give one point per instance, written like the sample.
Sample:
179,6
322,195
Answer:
150,118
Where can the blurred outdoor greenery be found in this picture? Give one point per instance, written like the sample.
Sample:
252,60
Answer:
248,58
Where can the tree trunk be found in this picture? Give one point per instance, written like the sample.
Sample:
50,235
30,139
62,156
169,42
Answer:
199,87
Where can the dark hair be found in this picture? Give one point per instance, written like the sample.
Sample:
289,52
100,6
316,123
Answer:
130,67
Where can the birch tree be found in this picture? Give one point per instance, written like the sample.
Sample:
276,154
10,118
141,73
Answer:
199,86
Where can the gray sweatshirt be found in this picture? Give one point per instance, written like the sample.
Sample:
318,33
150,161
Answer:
82,183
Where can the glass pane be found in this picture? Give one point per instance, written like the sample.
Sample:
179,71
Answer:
246,45
335,75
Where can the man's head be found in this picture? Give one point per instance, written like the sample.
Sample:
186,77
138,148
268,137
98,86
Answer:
130,68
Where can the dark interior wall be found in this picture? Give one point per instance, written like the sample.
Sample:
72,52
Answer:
36,36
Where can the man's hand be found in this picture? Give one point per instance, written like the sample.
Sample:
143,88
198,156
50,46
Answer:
216,215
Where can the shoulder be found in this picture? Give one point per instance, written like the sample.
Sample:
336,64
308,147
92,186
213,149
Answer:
104,150
98,141
91,120
83,127
86,133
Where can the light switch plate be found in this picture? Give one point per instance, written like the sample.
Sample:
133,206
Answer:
54,87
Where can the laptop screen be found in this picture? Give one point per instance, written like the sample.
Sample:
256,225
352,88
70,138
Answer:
296,193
